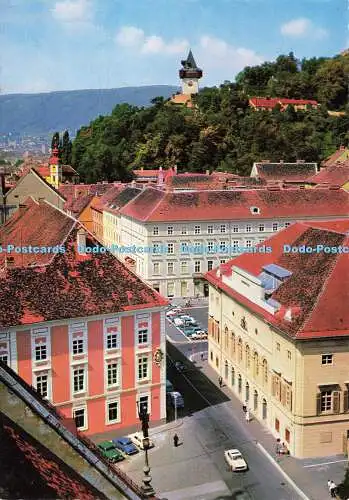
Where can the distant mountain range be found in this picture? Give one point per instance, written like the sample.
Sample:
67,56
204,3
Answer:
45,113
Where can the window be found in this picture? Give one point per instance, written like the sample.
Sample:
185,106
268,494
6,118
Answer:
170,248
239,384
235,245
255,400
326,401
169,230
197,266
209,229
155,230
197,247
265,371
223,246
223,228
211,355
277,346
261,228
277,425
247,391
184,230
255,364
209,265
79,417
144,403
112,374
217,361
248,228
248,357
240,349
327,359
235,229
170,289
184,247
42,385
156,248
40,352
4,358
156,268
232,375
275,226
79,379
248,243
265,409
143,371
243,323
287,224
289,356
112,340
226,370
142,335
112,411
197,229
170,267
78,346
287,436
184,267
210,247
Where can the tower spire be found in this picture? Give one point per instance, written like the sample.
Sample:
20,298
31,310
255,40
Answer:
190,74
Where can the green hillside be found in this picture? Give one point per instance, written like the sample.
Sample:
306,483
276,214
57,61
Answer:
223,132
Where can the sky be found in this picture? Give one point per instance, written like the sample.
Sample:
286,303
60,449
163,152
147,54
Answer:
51,45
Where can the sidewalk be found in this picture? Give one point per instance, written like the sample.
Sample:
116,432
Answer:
293,467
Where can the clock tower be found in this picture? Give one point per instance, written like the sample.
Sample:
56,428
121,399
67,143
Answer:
190,75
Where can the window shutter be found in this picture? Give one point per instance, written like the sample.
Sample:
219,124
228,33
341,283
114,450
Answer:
318,404
336,402
346,405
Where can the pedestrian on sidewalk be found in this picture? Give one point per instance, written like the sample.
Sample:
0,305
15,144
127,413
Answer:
220,381
329,482
175,440
333,488
248,418
244,407
202,356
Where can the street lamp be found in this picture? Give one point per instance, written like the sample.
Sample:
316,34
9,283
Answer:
175,405
144,418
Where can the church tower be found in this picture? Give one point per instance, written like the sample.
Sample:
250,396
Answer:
190,75
55,169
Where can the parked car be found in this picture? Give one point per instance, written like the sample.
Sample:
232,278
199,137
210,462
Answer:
187,319
110,452
169,386
178,321
176,399
125,445
188,331
235,460
199,335
137,440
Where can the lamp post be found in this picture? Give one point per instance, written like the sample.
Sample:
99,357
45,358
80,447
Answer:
148,490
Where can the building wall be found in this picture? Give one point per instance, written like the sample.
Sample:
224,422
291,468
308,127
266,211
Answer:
32,185
86,217
97,224
56,367
285,374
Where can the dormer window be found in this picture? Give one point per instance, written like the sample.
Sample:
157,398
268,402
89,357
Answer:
255,210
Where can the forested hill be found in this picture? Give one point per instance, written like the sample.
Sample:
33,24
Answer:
223,132
42,114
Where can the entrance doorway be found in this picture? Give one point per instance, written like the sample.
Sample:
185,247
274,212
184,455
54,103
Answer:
206,292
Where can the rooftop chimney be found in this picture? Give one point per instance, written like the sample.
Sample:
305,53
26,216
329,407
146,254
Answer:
9,261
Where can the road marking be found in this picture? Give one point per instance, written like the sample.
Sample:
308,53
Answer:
283,473
326,463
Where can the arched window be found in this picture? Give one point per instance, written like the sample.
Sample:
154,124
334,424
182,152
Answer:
247,391
226,370
255,400
233,345
255,364
232,376
248,357
239,384
265,371
240,349
226,337
265,409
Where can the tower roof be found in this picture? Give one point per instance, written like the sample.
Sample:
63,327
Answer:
189,62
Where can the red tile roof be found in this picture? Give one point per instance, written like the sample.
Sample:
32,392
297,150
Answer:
79,195
317,290
337,174
263,102
63,285
285,171
335,157
156,205
42,474
146,173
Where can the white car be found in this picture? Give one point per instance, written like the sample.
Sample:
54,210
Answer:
235,460
200,335
137,439
178,322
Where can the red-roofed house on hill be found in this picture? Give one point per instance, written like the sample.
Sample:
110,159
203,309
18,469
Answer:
69,327
296,172
269,103
333,175
279,331
339,156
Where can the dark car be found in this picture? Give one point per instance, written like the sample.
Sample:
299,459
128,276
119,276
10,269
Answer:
125,445
110,452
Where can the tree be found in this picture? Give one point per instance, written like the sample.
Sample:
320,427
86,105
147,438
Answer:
66,151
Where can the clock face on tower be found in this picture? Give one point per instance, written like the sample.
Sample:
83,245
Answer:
190,83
